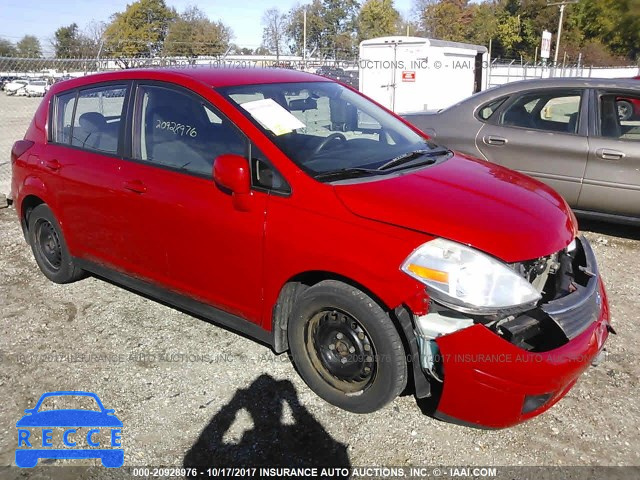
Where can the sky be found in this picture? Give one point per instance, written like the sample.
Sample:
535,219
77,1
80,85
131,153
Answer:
43,17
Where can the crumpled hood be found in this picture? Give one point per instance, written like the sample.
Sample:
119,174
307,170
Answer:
496,210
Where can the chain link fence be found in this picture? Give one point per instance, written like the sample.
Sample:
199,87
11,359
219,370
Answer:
506,71
24,80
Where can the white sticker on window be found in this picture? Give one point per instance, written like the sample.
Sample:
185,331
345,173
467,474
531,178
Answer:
273,116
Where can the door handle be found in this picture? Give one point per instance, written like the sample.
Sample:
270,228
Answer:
135,186
493,140
53,165
608,154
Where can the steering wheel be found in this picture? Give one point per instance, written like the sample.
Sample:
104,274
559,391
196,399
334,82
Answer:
326,141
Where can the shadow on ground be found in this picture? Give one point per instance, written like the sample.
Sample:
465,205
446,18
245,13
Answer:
631,232
301,442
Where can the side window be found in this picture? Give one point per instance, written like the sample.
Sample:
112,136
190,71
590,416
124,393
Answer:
548,111
98,117
486,111
63,112
620,116
178,130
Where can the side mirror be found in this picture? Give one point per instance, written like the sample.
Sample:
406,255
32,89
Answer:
232,173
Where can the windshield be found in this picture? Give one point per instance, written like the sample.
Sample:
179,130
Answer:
67,402
324,127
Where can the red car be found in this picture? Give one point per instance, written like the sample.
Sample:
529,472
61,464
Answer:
628,108
295,210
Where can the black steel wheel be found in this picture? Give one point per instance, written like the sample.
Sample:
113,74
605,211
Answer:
49,247
341,350
48,244
346,348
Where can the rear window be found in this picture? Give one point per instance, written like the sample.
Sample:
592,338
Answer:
63,116
486,111
90,119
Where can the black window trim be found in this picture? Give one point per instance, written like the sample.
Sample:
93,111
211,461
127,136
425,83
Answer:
504,99
53,111
129,129
583,118
282,192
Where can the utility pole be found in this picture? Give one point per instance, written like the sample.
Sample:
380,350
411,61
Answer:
561,4
304,38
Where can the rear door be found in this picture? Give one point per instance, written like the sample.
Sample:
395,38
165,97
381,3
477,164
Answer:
612,178
82,166
541,133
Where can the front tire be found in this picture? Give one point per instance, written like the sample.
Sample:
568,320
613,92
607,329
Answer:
49,247
346,348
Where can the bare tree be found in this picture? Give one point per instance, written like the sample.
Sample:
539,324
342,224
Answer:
275,31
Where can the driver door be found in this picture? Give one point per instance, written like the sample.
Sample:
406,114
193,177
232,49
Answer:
213,251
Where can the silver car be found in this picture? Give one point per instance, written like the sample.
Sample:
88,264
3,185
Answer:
568,132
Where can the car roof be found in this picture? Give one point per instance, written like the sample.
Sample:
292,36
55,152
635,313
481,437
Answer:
210,75
499,91
565,83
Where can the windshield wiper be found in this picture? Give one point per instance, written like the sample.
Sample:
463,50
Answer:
343,173
407,158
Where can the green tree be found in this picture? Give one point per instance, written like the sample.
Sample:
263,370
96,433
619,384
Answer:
29,47
340,18
630,27
483,24
603,31
7,49
315,27
377,18
614,23
193,34
275,31
139,31
508,35
69,43
261,51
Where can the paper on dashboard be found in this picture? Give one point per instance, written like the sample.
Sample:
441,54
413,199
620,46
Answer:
273,116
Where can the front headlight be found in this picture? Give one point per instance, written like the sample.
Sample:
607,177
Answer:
468,280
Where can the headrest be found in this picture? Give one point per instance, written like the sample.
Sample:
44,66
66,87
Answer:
92,122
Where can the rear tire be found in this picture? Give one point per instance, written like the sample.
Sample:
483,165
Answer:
346,348
49,247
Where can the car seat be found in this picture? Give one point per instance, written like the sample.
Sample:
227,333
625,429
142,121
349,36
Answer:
517,116
610,126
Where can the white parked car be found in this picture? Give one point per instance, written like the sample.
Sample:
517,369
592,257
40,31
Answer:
36,88
13,87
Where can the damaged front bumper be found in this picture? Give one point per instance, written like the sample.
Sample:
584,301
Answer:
489,380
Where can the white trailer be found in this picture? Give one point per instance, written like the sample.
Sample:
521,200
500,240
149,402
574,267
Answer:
408,74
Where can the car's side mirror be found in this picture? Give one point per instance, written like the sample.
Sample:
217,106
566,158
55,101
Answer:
232,173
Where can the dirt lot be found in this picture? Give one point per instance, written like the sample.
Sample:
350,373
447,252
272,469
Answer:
186,390
15,115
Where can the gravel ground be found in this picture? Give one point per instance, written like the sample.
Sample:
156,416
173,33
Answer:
15,115
188,391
